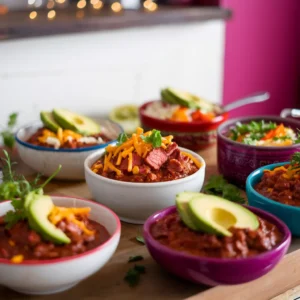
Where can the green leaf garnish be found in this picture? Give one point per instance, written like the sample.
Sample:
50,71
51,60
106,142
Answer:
122,138
218,186
140,239
135,258
7,134
154,138
15,187
133,275
295,160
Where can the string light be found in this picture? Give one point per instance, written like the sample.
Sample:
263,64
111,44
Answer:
150,5
116,7
38,3
3,10
33,15
50,4
31,2
81,4
60,1
51,14
93,2
98,5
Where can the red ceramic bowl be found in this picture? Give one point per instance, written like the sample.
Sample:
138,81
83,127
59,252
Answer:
192,135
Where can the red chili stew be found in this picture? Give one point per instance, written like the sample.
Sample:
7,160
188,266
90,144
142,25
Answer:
159,165
171,232
66,144
21,240
279,186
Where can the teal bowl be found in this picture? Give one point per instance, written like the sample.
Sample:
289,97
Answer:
290,215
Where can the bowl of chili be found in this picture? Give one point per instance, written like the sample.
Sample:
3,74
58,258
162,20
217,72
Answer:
44,158
207,259
276,188
30,265
245,144
142,174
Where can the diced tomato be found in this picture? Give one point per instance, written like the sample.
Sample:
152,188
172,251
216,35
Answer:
199,116
180,114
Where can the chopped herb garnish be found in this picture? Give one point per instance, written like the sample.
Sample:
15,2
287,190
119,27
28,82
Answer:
218,186
135,258
15,187
140,239
281,138
133,275
122,138
154,138
295,160
7,134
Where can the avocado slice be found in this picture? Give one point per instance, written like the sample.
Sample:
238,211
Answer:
182,200
166,97
216,215
49,121
70,120
31,196
189,100
38,212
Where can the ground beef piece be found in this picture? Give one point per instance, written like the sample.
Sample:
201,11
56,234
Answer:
174,166
156,158
171,148
136,161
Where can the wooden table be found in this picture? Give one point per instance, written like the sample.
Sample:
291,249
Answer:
108,283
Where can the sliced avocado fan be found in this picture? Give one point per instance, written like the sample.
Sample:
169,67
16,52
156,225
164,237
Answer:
49,121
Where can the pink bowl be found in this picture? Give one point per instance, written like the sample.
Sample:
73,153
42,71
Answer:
215,271
236,160
192,135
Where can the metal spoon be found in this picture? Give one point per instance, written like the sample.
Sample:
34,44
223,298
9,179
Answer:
293,112
255,98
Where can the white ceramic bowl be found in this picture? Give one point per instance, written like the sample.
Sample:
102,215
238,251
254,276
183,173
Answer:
52,276
135,202
46,160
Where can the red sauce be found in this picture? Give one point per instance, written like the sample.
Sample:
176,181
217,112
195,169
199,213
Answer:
275,186
172,232
21,240
71,144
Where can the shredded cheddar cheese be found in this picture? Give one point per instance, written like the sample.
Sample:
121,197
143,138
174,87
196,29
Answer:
70,214
61,135
17,259
191,157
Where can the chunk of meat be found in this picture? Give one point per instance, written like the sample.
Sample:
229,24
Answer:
136,161
156,158
171,148
174,166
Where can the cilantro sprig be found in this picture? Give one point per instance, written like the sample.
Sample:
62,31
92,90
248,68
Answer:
218,186
7,133
154,138
15,187
122,138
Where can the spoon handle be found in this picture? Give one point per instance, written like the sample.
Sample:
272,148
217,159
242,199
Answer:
257,97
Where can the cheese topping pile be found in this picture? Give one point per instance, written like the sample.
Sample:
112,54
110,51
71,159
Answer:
72,215
63,136
136,143
289,173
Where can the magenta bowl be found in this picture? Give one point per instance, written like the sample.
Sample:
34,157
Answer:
236,161
216,271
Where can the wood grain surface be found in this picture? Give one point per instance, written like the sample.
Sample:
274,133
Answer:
157,284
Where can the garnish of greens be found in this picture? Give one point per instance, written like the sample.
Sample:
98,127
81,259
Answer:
135,258
15,187
133,275
155,138
140,239
7,134
295,160
218,186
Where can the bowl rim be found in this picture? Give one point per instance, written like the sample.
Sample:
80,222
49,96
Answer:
217,119
258,172
35,262
42,148
171,252
96,155
260,117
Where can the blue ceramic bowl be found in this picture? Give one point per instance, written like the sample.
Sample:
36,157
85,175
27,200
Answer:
290,215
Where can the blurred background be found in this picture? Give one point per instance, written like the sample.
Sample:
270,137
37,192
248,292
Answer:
92,55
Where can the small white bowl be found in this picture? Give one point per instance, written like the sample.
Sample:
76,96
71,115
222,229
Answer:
46,160
134,202
42,277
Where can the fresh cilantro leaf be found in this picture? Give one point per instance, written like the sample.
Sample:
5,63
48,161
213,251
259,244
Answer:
218,186
154,138
135,258
8,133
140,239
295,160
133,275
122,138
